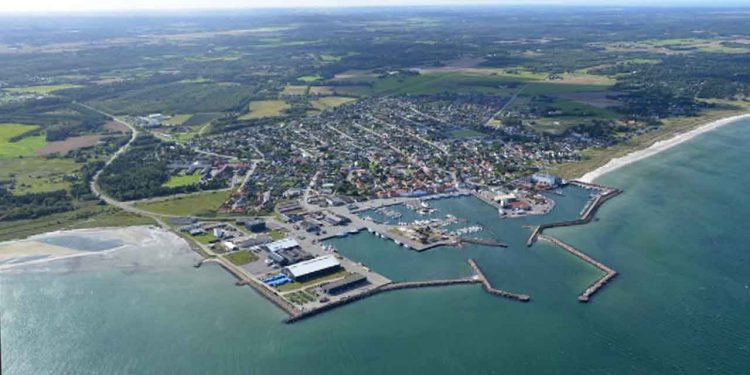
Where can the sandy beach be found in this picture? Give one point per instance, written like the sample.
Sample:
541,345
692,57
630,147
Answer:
39,249
657,147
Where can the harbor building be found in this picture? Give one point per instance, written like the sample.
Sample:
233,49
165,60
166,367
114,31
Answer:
313,268
546,180
348,283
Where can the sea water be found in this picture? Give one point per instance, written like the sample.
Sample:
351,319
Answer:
679,238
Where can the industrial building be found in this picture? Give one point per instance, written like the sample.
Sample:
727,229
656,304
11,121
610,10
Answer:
256,226
350,282
313,268
286,251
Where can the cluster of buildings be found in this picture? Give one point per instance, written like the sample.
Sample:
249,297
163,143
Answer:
385,147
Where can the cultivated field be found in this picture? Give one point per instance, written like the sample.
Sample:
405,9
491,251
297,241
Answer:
69,144
265,108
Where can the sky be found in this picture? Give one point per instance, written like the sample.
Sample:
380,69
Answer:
25,6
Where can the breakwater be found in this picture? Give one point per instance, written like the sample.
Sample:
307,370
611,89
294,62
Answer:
490,289
609,273
384,288
482,241
478,278
589,210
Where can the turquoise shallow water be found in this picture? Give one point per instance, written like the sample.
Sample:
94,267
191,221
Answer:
679,237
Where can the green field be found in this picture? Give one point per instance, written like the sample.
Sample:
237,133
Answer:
36,175
309,78
185,96
434,83
294,90
200,204
276,235
467,133
205,238
46,89
26,146
330,102
183,180
179,119
241,257
574,108
202,118
265,108
548,88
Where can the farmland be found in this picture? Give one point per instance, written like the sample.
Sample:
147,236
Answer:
330,102
265,108
26,146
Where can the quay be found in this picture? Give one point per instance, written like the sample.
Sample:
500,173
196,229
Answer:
490,289
609,273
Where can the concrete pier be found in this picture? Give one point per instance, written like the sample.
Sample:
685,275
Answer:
609,273
482,241
490,289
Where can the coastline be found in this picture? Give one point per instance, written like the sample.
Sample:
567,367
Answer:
658,147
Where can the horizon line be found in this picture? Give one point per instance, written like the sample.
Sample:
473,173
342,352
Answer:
213,9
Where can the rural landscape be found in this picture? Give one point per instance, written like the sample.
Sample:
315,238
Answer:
278,144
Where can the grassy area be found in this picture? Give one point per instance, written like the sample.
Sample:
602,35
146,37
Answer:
466,133
183,180
179,119
241,257
295,285
206,238
45,89
574,108
294,90
89,215
549,88
202,118
200,204
300,298
433,83
26,146
265,108
330,102
36,175
309,78
595,158
276,234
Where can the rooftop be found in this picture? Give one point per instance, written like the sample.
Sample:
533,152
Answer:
313,265
286,243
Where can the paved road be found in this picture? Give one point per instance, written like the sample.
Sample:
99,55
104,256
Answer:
500,111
